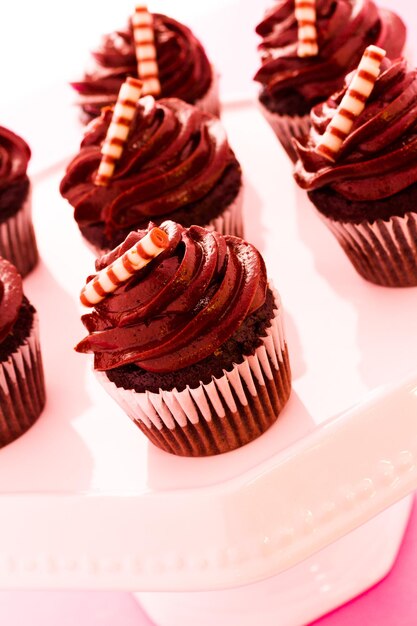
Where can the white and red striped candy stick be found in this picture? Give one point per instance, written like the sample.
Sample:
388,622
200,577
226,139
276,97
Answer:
110,277
117,132
352,104
142,22
305,14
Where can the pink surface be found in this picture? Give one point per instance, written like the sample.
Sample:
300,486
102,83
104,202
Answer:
393,601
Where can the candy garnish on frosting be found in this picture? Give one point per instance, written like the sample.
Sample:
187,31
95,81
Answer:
117,133
352,104
200,291
144,38
305,14
134,259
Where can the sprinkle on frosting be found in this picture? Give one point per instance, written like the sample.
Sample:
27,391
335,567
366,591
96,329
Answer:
305,14
145,50
123,268
352,103
118,130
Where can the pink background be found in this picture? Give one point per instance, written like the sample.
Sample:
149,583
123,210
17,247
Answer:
392,601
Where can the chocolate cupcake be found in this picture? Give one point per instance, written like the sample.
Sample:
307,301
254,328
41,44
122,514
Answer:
176,164
367,194
22,389
191,345
17,237
183,68
293,84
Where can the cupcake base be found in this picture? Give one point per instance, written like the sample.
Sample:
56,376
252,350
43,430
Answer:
221,415
384,251
231,430
287,127
17,239
22,388
228,222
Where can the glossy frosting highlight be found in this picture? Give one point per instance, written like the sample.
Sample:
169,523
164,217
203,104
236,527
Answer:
183,67
344,29
379,157
182,307
175,154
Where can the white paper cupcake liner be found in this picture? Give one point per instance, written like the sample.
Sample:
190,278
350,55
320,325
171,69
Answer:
210,102
22,388
17,239
221,415
230,222
286,127
384,252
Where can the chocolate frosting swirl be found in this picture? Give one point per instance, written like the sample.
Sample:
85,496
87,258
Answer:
379,156
175,154
11,297
344,29
184,69
14,183
180,308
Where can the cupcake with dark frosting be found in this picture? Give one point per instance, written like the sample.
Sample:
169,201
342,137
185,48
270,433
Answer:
292,85
17,237
367,196
192,345
184,69
176,164
22,389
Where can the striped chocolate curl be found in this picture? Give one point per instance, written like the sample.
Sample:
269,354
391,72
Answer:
305,14
110,277
117,133
352,104
143,33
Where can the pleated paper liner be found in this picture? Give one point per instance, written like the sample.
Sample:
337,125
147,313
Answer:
219,416
17,239
384,252
287,127
210,102
230,221
22,388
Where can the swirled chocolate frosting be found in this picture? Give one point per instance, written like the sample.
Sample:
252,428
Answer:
182,307
11,297
378,159
14,183
292,85
184,70
174,157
